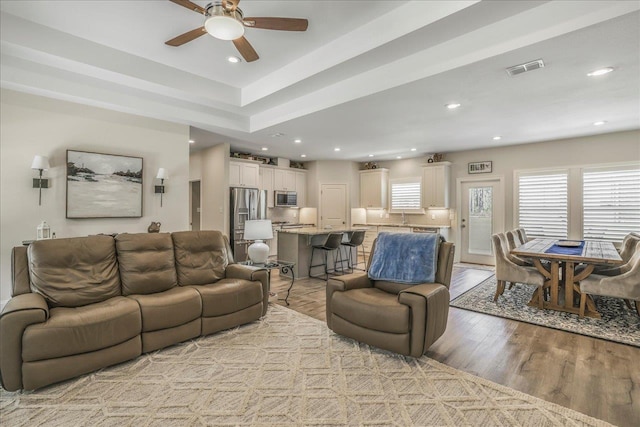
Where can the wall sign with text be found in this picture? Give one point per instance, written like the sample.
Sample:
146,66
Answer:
480,167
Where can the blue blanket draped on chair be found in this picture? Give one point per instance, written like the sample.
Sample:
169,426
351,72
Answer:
405,258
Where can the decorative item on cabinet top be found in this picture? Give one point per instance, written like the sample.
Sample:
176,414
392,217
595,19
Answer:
435,158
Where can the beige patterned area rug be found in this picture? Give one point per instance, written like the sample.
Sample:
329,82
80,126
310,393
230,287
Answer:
286,370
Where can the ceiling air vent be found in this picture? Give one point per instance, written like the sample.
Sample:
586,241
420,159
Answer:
523,68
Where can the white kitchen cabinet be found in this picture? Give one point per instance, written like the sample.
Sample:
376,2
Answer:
435,185
301,188
244,175
284,180
266,183
374,188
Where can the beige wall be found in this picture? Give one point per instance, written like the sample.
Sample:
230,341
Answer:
211,167
612,148
619,147
31,125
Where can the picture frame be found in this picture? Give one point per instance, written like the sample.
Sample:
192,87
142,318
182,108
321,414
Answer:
480,167
103,185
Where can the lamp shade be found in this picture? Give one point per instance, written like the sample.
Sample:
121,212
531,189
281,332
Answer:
258,229
162,174
40,163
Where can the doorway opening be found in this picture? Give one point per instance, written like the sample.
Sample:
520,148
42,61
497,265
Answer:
194,205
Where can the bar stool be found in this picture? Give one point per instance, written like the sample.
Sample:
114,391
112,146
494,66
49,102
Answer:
332,244
357,237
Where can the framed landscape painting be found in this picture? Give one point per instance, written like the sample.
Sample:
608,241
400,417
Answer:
103,185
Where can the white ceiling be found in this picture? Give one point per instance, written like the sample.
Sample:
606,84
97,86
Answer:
370,77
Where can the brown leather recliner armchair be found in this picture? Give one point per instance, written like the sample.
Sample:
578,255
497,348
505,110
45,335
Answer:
405,319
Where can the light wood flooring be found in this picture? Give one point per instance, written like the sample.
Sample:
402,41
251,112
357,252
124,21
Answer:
596,377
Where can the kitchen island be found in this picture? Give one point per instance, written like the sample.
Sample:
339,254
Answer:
294,245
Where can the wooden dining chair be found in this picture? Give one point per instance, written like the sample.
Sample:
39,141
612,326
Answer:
625,285
508,271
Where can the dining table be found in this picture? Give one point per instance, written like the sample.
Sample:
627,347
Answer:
567,263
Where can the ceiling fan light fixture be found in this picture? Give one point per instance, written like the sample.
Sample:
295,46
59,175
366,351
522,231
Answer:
224,27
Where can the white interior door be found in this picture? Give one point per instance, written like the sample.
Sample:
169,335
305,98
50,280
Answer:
333,205
482,214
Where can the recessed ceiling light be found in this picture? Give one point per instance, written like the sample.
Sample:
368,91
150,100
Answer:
191,141
303,155
599,123
233,59
497,138
398,157
264,148
600,72
297,141
413,149
453,106
370,155
336,149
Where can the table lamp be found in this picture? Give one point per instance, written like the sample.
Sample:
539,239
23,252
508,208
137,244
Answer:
258,230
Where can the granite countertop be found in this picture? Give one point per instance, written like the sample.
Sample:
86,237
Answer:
380,224
312,231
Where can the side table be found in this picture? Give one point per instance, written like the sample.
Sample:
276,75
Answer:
285,267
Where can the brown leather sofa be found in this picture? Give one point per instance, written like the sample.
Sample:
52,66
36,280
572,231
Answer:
85,303
405,319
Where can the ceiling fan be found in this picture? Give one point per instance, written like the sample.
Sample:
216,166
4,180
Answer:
224,20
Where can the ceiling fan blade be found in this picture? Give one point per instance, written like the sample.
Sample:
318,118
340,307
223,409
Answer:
186,37
283,24
230,5
246,50
189,5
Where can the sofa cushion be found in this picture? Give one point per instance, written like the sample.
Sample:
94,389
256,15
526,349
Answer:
74,272
228,296
168,309
75,330
147,263
201,257
372,308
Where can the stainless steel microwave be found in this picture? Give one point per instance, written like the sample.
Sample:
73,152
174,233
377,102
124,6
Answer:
286,198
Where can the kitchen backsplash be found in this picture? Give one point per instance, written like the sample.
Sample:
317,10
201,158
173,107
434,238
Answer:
430,217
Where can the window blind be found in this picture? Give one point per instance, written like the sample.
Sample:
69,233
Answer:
405,195
542,204
611,203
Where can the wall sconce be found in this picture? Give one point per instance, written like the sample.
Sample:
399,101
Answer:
40,163
162,175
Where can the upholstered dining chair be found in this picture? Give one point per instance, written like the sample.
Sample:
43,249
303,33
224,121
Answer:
514,239
523,234
625,285
402,318
509,271
627,249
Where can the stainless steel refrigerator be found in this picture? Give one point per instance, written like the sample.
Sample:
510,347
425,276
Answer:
246,204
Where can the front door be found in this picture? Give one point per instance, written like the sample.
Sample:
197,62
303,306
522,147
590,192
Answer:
333,205
482,214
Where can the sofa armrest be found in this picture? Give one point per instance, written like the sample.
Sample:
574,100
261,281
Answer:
429,304
20,312
345,283
249,272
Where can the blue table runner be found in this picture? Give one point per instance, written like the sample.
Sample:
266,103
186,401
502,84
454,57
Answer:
566,250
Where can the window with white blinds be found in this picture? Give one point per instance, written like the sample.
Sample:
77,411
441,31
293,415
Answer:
406,194
611,203
542,204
